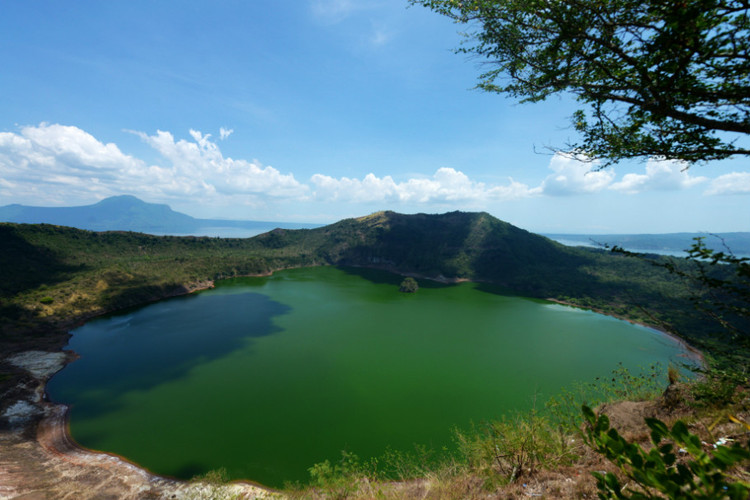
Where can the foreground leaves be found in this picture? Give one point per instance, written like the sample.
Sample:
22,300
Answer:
659,471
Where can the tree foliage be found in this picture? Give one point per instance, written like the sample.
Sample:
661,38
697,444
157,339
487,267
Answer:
726,295
656,78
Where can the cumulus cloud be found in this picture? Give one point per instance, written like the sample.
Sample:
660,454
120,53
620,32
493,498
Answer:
574,176
201,167
445,186
369,189
62,149
732,183
59,163
661,175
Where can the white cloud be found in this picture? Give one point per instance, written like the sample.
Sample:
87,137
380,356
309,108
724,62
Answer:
56,164
661,175
732,183
201,167
445,186
369,189
64,165
60,148
59,163
225,132
574,176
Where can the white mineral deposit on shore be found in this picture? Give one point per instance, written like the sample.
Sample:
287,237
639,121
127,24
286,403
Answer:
40,364
20,412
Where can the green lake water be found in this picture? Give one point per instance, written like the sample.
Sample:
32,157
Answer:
267,376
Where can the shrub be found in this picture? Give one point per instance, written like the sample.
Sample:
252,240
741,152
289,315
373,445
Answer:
720,388
215,477
508,449
340,480
659,472
409,285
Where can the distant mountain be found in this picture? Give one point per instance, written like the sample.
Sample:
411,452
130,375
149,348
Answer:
672,243
125,213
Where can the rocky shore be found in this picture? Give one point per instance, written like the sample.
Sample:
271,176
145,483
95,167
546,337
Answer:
40,460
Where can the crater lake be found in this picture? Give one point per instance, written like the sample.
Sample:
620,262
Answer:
267,376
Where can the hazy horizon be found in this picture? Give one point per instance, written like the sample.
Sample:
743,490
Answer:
213,228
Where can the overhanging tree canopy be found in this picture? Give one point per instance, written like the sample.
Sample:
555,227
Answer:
658,78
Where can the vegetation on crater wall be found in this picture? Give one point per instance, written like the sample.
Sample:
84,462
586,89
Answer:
86,273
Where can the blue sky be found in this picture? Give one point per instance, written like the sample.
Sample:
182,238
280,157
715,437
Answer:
308,111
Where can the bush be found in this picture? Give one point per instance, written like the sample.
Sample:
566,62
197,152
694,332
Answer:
409,285
720,388
659,472
339,480
506,450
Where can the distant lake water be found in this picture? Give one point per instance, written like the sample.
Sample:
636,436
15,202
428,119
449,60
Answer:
653,251
268,376
224,232
252,229
578,243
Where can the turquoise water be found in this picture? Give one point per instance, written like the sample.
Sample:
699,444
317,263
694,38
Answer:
267,376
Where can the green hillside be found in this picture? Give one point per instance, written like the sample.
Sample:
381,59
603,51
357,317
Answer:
56,276
479,247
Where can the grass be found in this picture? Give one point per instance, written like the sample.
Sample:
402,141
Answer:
505,456
542,452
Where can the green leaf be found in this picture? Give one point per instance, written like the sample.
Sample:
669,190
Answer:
658,429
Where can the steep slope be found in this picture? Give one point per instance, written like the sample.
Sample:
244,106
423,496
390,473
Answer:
455,245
